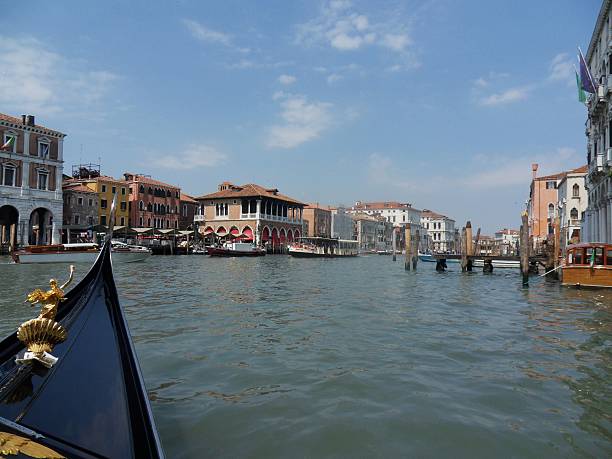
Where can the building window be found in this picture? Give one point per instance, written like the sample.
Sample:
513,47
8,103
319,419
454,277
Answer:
140,221
123,205
150,190
575,191
102,219
76,219
8,175
551,185
10,140
103,188
141,189
184,210
175,224
80,201
90,202
149,223
122,191
551,210
103,204
141,205
90,220
574,214
122,221
114,189
43,177
43,149
221,210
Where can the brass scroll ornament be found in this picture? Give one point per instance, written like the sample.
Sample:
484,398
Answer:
13,445
40,335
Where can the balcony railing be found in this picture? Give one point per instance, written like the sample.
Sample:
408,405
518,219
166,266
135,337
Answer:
199,218
248,216
609,158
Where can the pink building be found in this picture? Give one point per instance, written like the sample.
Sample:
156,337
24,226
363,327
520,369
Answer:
153,204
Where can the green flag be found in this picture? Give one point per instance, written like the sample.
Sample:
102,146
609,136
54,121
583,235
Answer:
581,93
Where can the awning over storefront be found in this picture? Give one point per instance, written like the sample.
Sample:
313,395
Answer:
185,233
208,230
141,230
166,231
248,233
234,231
221,231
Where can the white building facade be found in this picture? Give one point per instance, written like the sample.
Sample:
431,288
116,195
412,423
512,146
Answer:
342,225
31,168
441,231
572,206
507,241
597,225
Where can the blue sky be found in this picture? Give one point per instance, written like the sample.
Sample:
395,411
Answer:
440,103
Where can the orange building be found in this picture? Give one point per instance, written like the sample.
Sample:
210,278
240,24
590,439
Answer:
317,221
542,204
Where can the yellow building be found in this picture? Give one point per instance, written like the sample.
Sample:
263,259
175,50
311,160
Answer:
107,187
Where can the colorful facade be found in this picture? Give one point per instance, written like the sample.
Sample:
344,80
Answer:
262,215
317,221
542,205
80,212
106,187
154,204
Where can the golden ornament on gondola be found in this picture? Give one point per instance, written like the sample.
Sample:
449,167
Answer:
40,335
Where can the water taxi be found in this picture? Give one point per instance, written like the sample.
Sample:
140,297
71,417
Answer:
85,252
588,264
323,247
236,248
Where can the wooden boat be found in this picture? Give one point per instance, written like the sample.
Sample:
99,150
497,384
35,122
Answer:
88,399
588,264
322,247
79,253
236,249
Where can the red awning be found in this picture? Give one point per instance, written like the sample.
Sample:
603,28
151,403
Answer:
221,231
248,233
234,231
209,230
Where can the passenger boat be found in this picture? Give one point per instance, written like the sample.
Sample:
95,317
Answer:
236,249
323,247
70,384
588,264
79,253
479,263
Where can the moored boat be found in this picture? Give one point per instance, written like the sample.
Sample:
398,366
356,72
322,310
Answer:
70,383
323,247
236,249
479,263
588,264
429,258
79,253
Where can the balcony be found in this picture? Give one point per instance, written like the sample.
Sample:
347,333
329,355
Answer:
248,216
199,218
597,164
609,157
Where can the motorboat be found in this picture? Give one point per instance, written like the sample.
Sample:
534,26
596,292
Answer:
323,247
429,258
235,249
70,383
84,252
588,264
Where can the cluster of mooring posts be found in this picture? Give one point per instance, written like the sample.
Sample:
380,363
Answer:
469,250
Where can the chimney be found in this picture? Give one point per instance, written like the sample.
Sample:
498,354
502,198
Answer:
534,170
23,119
30,120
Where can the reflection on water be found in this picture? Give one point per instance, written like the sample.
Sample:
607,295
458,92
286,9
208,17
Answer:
277,357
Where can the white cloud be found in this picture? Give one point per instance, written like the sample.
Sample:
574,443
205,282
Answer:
505,97
194,156
302,121
333,78
202,33
286,79
562,69
345,30
35,79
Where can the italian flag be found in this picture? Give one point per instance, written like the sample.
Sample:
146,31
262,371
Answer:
8,145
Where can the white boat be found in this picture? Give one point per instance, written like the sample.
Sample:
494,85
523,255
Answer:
479,263
322,247
80,253
429,258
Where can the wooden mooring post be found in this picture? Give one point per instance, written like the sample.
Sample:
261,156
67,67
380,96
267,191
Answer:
394,243
467,248
407,248
524,248
415,251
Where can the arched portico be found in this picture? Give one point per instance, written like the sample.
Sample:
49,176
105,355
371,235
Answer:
40,228
9,219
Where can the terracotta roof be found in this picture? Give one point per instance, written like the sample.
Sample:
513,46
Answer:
431,214
247,191
20,125
318,206
507,231
579,170
138,178
77,187
558,176
187,198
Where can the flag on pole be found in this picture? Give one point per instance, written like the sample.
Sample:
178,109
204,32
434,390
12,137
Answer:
8,145
585,75
581,93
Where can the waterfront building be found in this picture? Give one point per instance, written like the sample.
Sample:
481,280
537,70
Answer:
262,214
392,211
80,212
342,225
317,220
507,241
31,170
153,204
573,202
440,229
188,208
598,181
485,245
366,231
542,205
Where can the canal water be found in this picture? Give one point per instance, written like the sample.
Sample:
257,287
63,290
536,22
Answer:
280,357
